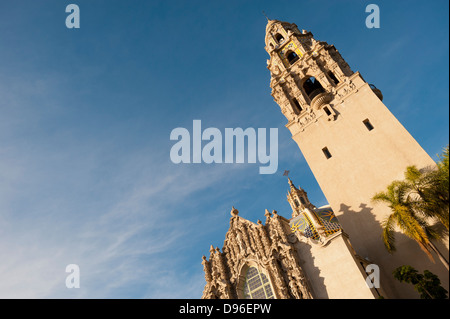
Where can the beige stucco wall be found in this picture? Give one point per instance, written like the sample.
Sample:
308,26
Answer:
332,271
364,162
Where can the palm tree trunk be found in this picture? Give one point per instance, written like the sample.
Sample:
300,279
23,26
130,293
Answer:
441,257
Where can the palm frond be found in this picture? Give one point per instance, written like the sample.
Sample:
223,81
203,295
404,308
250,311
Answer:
388,234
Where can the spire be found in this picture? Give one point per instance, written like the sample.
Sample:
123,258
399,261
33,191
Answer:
292,185
234,212
266,16
298,199
290,182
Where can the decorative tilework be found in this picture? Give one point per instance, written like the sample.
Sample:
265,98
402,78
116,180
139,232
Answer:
304,225
326,218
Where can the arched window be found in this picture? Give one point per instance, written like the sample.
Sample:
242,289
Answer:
256,285
292,57
279,38
312,87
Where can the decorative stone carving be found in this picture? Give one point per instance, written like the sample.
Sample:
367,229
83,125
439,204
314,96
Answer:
246,242
321,99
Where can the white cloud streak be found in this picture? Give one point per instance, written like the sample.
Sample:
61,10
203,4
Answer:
125,231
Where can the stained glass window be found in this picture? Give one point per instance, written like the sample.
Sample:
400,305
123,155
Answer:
257,285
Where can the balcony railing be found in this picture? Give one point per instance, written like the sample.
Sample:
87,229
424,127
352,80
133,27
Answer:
320,99
316,92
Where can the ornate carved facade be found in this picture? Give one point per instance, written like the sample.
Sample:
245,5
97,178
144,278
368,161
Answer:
284,258
309,77
264,248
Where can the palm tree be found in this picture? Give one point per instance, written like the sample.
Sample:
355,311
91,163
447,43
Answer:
443,181
397,197
428,192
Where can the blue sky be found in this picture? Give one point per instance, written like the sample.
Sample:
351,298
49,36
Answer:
86,115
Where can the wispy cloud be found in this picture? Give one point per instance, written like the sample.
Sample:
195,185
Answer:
133,240
126,228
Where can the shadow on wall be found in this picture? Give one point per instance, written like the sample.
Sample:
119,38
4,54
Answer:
408,252
312,272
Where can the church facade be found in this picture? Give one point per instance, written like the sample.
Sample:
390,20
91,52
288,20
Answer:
307,256
355,147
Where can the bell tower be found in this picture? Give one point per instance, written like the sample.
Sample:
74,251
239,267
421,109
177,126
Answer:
353,144
305,73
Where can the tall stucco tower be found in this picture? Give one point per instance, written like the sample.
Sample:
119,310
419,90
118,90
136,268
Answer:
353,144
